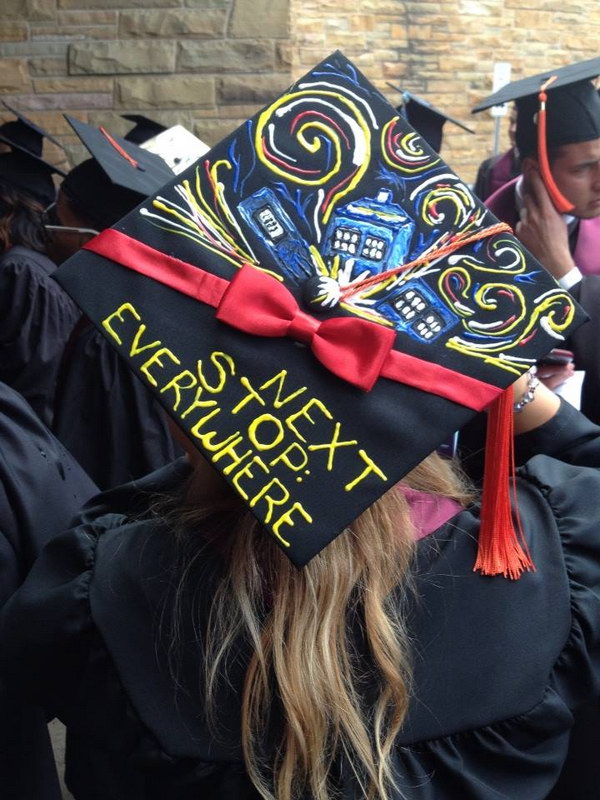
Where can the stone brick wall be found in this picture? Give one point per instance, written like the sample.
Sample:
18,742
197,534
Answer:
211,63
207,64
445,51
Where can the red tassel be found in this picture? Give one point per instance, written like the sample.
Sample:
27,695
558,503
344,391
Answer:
502,550
560,202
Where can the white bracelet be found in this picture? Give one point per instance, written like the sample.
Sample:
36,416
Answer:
532,384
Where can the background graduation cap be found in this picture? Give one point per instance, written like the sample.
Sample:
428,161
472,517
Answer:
177,146
117,177
425,118
23,134
319,303
554,108
144,128
24,167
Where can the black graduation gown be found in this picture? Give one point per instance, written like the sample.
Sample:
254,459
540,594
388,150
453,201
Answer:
585,344
36,320
499,665
105,415
41,488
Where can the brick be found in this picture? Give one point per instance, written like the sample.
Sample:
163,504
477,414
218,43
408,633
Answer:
28,9
14,76
208,23
86,17
258,89
48,66
183,91
118,58
108,4
267,19
64,100
207,3
54,122
212,131
29,48
48,85
229,56
13,31
45,33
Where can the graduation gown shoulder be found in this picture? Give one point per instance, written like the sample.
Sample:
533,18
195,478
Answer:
41,489
36,320
105,415
499,666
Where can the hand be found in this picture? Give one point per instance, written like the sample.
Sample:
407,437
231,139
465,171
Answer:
542,229
555,375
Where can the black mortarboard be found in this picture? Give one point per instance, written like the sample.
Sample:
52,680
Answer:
24,168
572,108
125,164
23,134
144,128
319,302
29,173
425,118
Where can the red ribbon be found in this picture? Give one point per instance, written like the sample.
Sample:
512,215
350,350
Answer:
356,350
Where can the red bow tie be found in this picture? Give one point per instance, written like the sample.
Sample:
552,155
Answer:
351,348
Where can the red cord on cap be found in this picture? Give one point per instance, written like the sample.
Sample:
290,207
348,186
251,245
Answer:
559,201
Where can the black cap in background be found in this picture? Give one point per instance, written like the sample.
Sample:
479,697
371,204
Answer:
425,118
572,106
144,128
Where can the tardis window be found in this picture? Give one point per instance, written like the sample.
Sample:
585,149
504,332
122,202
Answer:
346,240
373,248
269,223
430,325
409,304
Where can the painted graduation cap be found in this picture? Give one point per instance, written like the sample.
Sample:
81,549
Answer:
261,297
125,164
554,108
425,118
144,128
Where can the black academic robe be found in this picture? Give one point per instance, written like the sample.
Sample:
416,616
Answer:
105,416
585,344
36,320
498,665
41,488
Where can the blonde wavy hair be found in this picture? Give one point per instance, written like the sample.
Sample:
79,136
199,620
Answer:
301,625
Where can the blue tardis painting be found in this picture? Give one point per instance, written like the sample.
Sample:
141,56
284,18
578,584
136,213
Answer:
375,233
414,307
271,223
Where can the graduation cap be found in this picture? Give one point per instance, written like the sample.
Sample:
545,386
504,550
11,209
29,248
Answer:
144,128
554,108
117,177
23,167
319,302
425,118
23,134
177,146
28,173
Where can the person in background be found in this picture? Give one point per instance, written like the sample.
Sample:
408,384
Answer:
41,489
498,170
114,441
36,315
